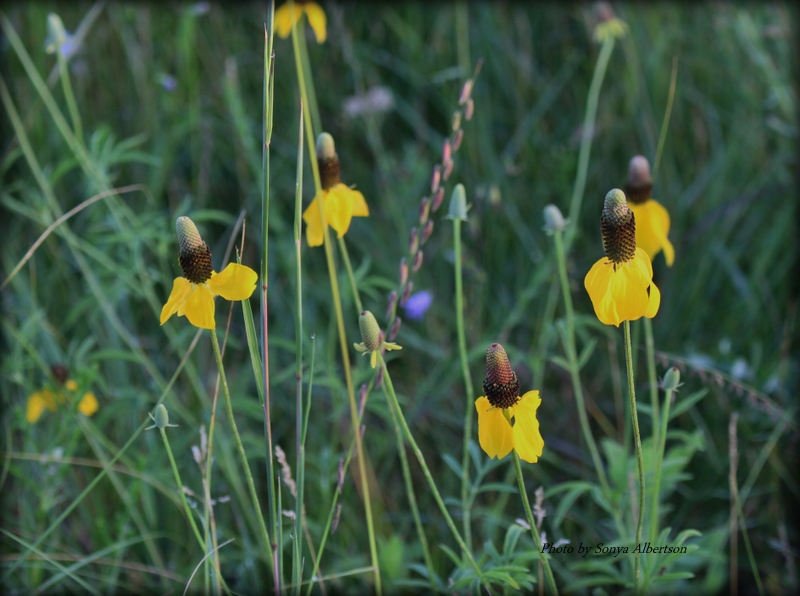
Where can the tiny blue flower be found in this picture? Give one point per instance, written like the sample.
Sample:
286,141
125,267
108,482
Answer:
168,82
418,304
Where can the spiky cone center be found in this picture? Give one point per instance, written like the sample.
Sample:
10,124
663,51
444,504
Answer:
618,226
371,334
501,384
328,161
194,256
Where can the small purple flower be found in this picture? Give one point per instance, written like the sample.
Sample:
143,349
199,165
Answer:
168,82
418,304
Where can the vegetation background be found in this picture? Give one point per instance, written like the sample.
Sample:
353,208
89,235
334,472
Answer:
169,98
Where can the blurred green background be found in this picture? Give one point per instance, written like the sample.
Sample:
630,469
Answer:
170,98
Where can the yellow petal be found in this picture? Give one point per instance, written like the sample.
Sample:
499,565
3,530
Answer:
88,404
528,442
628,291
317,20
285,18
72,385
358,205
180,290
597,283
314,235
659,218
652,227
37,403
235,282
373,358
199,307
494,431
338,209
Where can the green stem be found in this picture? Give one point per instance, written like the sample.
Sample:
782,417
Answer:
470,391
186,507
412,498
569,347
350,275
387,379
651,377
532,523
248,476
586,137
72,106
638,441
337,304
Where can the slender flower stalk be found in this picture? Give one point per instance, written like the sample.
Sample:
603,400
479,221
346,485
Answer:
337,304
537,540
639,457
425,470
458,213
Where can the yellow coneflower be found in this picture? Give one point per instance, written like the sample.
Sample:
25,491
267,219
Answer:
286,16
652,219
47,399
372,342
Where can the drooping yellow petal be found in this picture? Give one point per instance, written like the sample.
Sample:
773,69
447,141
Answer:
285,18
180,290
37,403
199,307
314,232
235,282
71,384
642,262
338,209
652,228
628,291
317,20
597,283
88,404
358,205
528,442
494,431
373,358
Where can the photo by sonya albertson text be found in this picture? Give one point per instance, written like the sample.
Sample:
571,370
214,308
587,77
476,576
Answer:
602,549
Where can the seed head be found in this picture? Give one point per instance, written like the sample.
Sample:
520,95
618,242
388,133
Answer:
194,256
371,334
501,384
328,161
618,227
639,182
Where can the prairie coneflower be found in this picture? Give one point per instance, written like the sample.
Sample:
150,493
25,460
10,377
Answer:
339,202
372,342
288,14
652,219
500,405
47,399
193,294
621,284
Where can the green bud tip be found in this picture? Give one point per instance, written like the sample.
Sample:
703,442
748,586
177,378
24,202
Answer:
553,219
458,203
672,380
161,417
326,148
501,384
371,334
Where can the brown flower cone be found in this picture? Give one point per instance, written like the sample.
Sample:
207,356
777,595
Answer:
501,384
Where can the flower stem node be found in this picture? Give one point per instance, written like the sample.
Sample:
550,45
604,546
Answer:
372,341
160,418
458,204
502,404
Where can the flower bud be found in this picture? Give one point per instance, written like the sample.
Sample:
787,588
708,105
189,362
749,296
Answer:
161,417
466,92
457,138
413,241
553,219
469,110
639,184
448,169
391,304
417,261
395,328
403,271
436,178
424,210
456,120
458,203
438,199
371,334
340,477
672,380
501,384
618,227
426,232
328,161
336,517
447,152
406,293
194,256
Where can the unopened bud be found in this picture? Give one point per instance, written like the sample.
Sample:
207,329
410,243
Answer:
436,178
406,293
466,92
326,148
448,169
336,517
395,328
391,304
469,110
417,261
501,384
340,477
672,380
438,199
403,271
426,232
328,161
456,120
553,219
447,152
458,203
424,210
161,417
639,184
194,256
457,138
371,334
413,241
